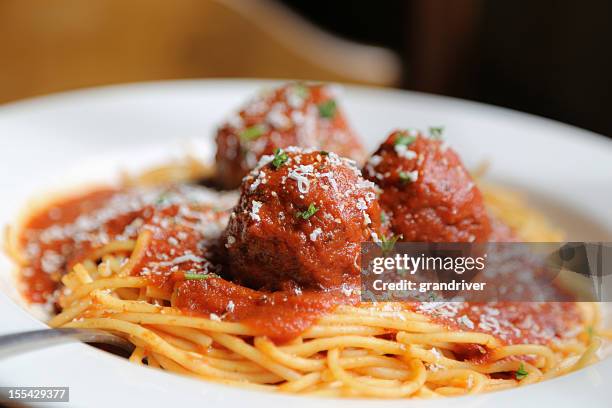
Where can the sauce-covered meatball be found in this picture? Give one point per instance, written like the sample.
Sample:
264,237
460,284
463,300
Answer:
427,192
291,115
301,217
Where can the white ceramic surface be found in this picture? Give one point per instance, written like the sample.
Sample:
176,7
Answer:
74,138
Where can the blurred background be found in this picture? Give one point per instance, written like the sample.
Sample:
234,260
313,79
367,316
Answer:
550,58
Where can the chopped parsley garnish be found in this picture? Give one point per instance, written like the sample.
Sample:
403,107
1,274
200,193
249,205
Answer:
404,138
387,243
521,372
327,109
436,132
252,133
280,158
308,213
406,177
301,90
324,153
162,198
199,276
590,332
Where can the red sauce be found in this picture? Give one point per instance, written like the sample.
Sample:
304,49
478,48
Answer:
512,323
38,284
184,226
279,315
66,232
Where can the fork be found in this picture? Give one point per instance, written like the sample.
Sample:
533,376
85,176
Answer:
17,343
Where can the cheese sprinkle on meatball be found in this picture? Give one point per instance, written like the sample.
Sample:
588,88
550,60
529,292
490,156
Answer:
292,115
427,192
300,221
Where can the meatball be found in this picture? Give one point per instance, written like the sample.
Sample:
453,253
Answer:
427,192
291,115
300,220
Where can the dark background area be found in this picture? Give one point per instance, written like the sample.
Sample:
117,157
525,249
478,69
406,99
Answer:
549,58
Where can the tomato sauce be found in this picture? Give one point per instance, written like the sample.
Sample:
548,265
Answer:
280,315
185,223
42,275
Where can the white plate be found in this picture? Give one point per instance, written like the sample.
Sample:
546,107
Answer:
65,139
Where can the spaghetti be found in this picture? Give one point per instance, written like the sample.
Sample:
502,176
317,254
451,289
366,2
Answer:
113,251
262,290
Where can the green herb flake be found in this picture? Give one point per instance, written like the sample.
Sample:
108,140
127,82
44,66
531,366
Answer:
327,109
404,138
162,198
590,332
383,217
280,158
521,372
324,153
252,133
199,276
406,177
312,209
387,243
301,91
436,132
